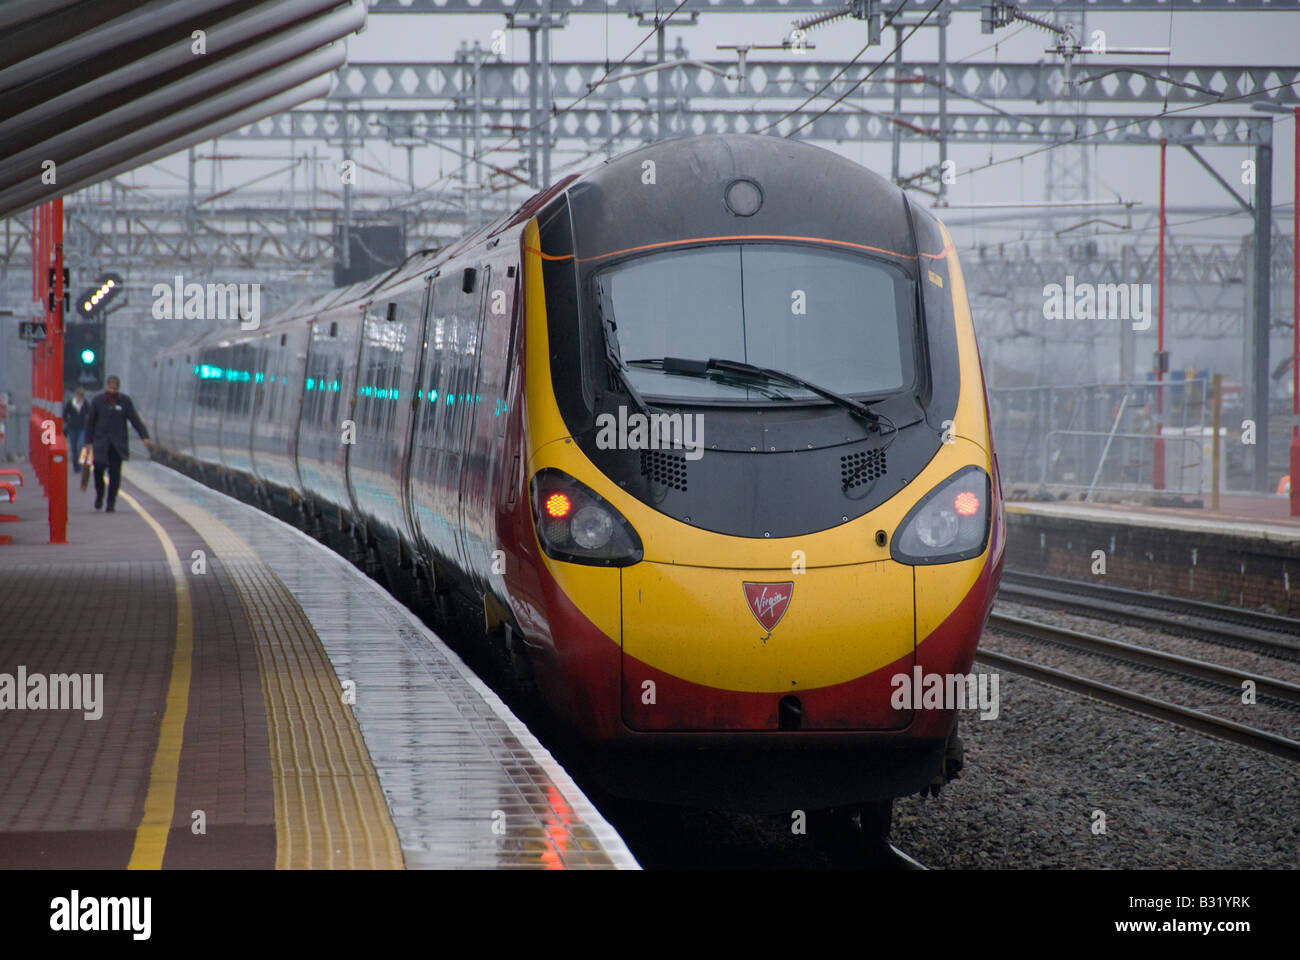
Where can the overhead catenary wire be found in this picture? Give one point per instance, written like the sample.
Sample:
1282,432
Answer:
1135,121
994,45
1043,232
611,68
557,113
865,77
590,87
889,19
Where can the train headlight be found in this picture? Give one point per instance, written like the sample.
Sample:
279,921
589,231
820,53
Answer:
951,523
592,528
577,524
937,527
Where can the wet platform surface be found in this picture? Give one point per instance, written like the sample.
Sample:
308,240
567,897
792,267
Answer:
263,704
1260,516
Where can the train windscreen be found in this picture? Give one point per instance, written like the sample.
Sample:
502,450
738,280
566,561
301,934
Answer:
840,320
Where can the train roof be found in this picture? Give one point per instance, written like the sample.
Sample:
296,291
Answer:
415,264
736,185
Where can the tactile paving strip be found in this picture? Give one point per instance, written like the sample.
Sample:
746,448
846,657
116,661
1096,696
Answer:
467,784
330,810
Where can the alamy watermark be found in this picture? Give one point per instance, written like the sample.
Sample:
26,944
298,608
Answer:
75,913
1098,301
55,691
946,691
212,301
655,431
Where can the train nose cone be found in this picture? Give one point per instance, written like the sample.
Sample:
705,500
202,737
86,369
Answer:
723,649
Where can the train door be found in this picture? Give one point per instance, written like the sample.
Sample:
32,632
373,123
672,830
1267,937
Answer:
208,400
154,416
300,421
189,387
153,412
352,375
253,402
421,330
171,405
320,427
433,454
470,464
485,441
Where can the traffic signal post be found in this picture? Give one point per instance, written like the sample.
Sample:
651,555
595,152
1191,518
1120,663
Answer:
86,336
83,354
47,447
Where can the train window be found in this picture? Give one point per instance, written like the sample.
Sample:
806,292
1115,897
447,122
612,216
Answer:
334,329
392,312
441,329
841,320
284,338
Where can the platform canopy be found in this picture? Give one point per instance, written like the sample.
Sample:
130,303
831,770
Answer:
91,89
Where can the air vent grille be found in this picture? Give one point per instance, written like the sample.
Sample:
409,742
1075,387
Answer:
859,469
664,468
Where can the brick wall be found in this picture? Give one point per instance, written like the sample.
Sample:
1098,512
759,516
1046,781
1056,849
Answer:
1235,570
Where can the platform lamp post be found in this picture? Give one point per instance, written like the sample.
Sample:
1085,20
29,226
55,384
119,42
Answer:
1295,306
1162,361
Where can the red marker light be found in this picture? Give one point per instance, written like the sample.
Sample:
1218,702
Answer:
966,503
558,505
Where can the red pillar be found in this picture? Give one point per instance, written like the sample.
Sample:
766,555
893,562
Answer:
59,455
38,354
1295,328
49,460
1158,456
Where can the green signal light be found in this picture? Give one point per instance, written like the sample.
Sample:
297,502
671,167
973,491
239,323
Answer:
87,356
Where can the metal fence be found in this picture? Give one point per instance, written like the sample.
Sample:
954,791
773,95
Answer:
1103,437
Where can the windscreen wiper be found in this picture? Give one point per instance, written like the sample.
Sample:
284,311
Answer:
745,381
702,368
605,307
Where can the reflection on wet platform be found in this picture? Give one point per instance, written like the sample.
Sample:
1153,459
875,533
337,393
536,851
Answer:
467,785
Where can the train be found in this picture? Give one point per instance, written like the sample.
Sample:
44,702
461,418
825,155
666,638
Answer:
698,442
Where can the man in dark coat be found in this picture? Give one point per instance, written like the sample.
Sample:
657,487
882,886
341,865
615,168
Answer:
75,412
106,432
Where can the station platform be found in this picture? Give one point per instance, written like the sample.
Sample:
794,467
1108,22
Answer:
1246,553
1265,517
190,683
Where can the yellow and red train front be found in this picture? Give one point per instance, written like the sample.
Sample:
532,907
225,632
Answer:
711,633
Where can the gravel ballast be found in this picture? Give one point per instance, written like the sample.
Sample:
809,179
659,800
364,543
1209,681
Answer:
1036,776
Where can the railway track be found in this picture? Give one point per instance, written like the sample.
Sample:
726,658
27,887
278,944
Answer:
1285,694
906,861
1229,626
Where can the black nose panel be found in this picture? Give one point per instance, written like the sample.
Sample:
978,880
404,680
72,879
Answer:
789,714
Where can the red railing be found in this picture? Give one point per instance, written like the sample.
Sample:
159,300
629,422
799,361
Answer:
47,448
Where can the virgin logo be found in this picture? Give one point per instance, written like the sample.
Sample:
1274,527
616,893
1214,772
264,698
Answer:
768,602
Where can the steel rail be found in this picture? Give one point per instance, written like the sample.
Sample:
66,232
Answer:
1266,633
1146,656
1148,706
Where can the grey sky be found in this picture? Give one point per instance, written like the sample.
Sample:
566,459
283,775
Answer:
1132,172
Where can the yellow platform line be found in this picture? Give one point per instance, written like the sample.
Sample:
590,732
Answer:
160,800
330,810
